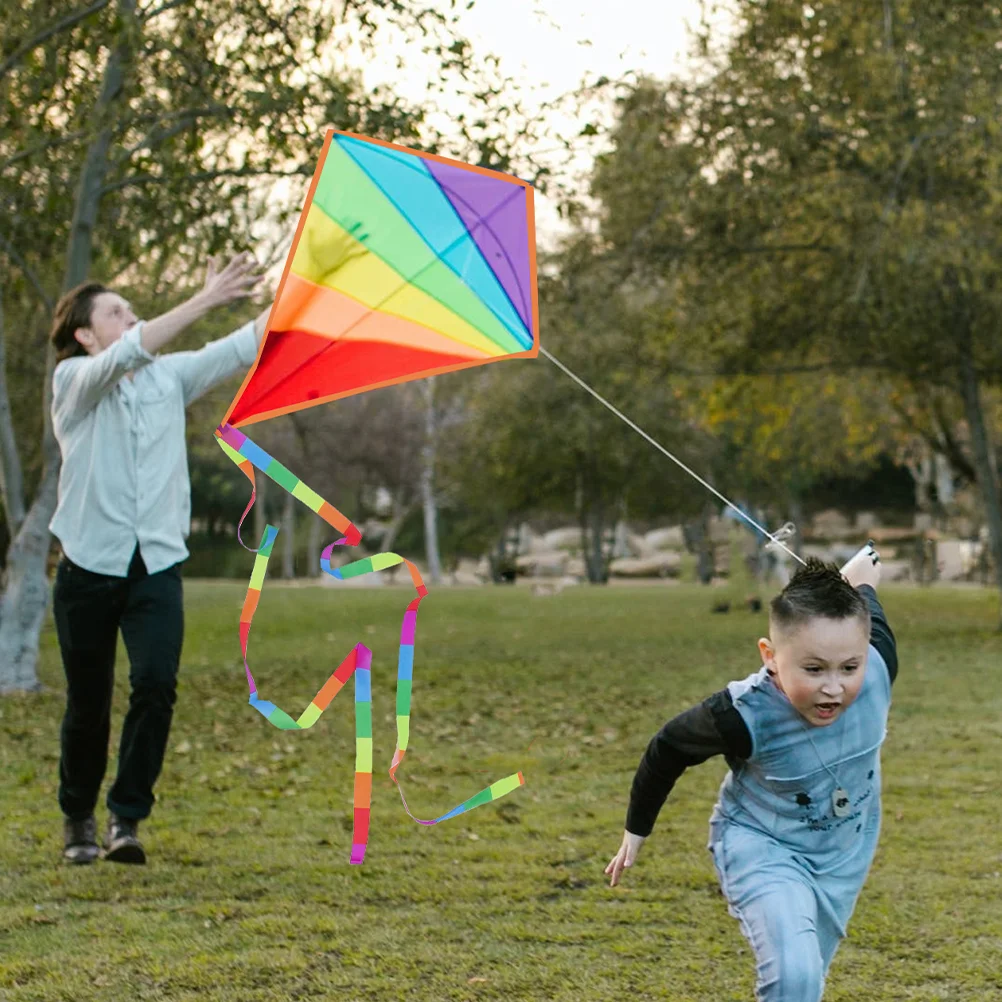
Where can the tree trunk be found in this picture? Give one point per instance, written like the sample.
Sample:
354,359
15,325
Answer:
597,573
981,452
704,546
428,486
289,537
499,559
25,597
11,479
400,513
313,546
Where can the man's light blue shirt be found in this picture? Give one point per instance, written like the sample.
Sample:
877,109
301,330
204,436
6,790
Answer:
124,476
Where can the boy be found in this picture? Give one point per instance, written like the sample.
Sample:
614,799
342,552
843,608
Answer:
795,826
122,517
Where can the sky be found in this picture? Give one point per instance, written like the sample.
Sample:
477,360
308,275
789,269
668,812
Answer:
550,46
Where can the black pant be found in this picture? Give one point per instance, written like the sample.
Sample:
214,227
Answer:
89,610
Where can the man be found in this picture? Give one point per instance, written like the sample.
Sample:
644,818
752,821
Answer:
122,517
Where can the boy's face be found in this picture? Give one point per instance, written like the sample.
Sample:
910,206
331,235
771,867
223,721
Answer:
819,666
111,316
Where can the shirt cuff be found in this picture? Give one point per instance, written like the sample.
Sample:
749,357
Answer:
246,342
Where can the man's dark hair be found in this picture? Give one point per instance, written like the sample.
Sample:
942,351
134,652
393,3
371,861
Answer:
818,589
73,310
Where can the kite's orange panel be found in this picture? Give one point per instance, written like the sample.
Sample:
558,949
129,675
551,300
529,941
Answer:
333,517
308,307
250,605
295,367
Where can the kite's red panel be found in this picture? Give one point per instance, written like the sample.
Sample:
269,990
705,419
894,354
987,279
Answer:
295,368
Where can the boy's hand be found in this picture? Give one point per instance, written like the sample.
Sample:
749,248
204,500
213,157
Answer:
626,856
236,281
863,568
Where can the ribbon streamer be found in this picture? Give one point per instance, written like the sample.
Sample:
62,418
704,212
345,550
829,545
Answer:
248,457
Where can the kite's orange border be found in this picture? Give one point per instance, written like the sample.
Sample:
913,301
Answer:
533,352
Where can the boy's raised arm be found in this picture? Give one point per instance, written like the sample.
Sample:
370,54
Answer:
881,636
863,573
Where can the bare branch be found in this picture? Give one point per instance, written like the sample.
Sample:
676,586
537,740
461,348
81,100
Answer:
43,36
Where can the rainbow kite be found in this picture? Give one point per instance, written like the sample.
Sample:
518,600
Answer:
404,265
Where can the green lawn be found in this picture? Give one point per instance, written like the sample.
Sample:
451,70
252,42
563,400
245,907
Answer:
248,894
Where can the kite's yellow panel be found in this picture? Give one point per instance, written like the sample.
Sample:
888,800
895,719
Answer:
308,307
328,255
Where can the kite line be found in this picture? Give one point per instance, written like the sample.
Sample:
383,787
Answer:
777,538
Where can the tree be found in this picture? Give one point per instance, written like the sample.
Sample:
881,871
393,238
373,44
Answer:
781,435
542,443
165,121
827,197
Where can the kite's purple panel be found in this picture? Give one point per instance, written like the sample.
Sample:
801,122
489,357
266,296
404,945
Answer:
495,213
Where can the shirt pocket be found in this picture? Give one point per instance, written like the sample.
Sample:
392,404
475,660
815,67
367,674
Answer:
159,405
798,796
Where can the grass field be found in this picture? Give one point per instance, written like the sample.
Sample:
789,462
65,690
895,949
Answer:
249,896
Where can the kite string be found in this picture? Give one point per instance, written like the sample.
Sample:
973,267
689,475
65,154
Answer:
776,539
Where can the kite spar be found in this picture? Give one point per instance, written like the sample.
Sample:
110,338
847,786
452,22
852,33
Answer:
404,265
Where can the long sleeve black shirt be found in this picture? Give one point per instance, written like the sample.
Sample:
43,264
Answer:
715,727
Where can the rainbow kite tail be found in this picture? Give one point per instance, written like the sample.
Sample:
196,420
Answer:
249,456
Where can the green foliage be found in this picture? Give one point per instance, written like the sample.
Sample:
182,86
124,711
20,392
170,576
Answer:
248,895
534,441
828,194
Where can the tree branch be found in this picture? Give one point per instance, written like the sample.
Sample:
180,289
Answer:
210,175
11,478
43,36
169,5
29,273
71,137
154,138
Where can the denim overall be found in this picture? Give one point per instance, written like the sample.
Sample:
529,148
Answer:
789,866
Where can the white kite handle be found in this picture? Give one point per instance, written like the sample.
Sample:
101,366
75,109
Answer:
869,550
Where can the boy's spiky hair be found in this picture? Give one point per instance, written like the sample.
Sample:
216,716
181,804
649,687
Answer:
817,589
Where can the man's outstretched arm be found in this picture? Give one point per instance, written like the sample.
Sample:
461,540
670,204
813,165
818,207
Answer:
236,281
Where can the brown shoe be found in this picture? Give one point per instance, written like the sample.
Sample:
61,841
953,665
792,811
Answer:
80,841
121,844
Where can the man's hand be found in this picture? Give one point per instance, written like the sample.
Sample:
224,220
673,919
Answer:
626,856
863,568
236,281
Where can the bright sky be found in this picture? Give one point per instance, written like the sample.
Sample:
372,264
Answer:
551,46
